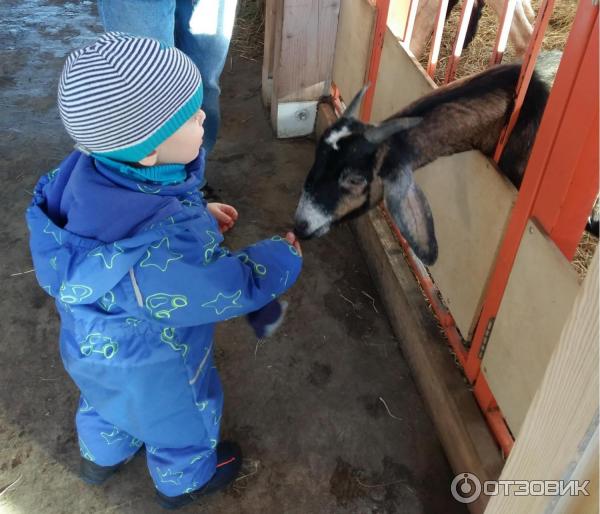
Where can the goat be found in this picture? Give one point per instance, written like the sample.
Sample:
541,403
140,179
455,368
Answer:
519,34
357,164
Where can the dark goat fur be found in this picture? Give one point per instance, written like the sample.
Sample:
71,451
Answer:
477,108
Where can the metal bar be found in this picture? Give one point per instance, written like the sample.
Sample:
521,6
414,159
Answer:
459,40
410,24
382,8
437,38
503,31
527,68
534,175
493,415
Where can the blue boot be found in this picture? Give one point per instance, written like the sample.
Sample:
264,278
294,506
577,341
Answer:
229,462
267,320
93,474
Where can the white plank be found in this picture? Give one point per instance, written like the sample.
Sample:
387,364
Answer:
537,301
352,47
561,428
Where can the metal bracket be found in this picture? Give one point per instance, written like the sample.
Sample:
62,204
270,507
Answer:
486,337
296,119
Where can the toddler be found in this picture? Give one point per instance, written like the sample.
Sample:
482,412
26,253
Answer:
124,241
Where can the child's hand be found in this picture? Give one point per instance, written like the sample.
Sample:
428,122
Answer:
225,215
291,238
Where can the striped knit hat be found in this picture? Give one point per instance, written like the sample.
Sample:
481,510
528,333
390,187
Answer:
123,95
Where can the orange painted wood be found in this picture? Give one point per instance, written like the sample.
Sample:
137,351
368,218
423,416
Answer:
382,7
570,184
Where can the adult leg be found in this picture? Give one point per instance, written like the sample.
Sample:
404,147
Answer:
424,26
203,31
529,12
521,30
144,18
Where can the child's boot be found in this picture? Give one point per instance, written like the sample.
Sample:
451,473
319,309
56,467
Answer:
267,320
93,474
229,462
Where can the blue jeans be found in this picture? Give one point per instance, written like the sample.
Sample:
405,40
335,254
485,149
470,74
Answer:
200,28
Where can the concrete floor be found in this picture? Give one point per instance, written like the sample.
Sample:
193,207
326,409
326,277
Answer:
306,406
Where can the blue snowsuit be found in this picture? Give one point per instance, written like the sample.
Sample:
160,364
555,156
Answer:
140,280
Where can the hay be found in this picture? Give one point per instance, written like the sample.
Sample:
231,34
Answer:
477,56
247,40
560,25
583,257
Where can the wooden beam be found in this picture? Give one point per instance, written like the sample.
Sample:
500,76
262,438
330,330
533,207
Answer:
303,49
586,469
353,46
269,50
560,431
459,423
277,27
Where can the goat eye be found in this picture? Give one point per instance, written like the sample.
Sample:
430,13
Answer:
355,180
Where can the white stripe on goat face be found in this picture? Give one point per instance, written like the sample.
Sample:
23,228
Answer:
318,222
335,135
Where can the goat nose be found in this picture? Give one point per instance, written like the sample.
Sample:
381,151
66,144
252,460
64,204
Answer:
300,228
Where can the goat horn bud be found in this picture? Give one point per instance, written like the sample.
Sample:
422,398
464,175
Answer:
352,109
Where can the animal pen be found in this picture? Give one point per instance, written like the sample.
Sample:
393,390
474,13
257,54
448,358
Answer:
521,326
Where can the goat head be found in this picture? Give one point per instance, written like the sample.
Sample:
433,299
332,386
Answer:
356,166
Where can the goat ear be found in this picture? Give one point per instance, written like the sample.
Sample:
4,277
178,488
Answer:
352,108
410,209
380,133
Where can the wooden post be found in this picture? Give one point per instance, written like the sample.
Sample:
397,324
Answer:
559,438
269,48
298,61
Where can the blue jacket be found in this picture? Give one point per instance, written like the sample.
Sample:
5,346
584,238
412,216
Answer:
140,279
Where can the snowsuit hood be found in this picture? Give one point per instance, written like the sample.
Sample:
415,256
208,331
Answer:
86,216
